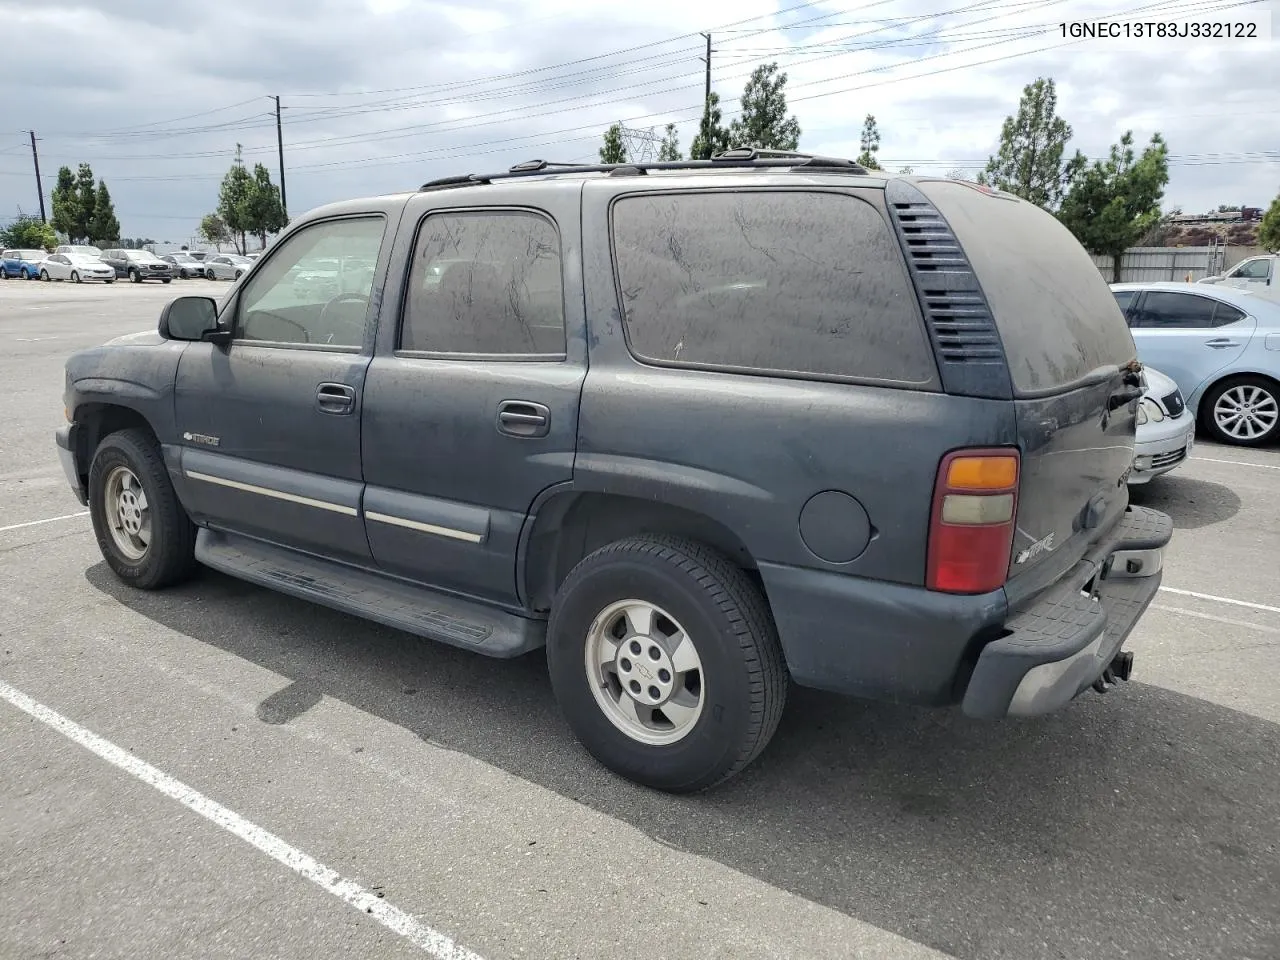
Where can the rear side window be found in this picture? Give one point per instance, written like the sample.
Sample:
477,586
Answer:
1056,315
486,283
1124,300
1167,310
785,282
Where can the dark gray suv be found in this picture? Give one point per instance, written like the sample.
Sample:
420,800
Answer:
138,265
697,428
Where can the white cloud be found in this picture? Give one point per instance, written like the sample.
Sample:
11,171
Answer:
940,87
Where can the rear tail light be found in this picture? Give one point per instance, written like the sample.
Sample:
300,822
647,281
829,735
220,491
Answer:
975,500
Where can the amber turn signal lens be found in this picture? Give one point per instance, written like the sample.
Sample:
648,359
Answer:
982,473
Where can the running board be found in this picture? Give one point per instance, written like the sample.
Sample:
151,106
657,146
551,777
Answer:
393,603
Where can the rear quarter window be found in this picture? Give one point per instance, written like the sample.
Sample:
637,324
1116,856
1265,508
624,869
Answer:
786,282
1056,314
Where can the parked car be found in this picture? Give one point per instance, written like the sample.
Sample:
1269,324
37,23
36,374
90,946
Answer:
20,264
226,266
656,423
1259,274
184,265
86,249
138,265
76,267
1166,429
1222,347
201,255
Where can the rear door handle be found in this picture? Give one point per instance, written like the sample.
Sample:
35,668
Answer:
336,398
1219,342
523,418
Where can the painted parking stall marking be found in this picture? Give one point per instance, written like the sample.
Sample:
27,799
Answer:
36,523
398,921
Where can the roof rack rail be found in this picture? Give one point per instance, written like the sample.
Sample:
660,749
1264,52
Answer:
745,158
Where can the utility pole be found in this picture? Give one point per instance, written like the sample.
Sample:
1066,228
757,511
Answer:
39,187
706,97
284,202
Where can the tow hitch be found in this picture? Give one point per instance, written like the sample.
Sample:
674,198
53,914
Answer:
1120,668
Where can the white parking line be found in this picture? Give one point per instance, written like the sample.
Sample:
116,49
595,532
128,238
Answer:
1227,621
36,523
1210,596
1238,463
436,944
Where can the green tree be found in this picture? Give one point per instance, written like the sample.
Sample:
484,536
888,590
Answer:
764,122
1029,162
1269,229
670,149
214,230
712,136
28,233
233,201
66,204
86,197
1114,202
264,213
614,150
870,143
104,227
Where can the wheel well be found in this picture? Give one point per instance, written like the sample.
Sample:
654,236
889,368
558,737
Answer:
95,421
572,525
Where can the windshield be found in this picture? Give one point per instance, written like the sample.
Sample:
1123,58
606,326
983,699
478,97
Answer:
139,255
83,258
29,254
183,258
83,251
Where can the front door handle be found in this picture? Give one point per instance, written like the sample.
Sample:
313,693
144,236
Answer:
1219,342
338,399
523,418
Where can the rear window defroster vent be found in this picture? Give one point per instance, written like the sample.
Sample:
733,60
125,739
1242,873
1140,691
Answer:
959,319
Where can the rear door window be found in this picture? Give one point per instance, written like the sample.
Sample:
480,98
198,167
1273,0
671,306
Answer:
1170,310
1056,315
787,282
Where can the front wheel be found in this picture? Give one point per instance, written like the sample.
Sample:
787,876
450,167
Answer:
25,274
134,277
666,663
75,277
44,275
142,530
166,279
111,281
1244,411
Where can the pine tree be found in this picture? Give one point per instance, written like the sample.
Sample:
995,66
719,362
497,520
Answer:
86,197
670,149
614,150
66,204
104,228
1029,162
870,143
764,122
712,136
1269,229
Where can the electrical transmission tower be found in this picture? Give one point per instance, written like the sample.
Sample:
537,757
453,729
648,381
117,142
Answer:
642,145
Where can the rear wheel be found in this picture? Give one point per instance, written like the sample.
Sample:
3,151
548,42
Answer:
1244,411
666,663
142,530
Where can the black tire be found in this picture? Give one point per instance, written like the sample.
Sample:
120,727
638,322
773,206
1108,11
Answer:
165,279
170,555
44,275
26,274
111,281
75,277
1268,397
743,677
134,277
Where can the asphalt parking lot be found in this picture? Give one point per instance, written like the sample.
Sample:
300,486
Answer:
447,791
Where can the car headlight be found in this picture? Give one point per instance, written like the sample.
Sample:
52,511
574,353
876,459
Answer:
1148,409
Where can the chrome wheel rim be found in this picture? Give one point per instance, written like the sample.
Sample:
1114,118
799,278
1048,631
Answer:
127,513
1246,412
645,672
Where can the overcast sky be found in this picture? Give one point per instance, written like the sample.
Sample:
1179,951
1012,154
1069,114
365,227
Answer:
381,95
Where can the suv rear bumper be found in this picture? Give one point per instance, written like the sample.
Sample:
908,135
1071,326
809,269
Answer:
913,645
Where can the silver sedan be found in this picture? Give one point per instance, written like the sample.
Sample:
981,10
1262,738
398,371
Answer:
226,266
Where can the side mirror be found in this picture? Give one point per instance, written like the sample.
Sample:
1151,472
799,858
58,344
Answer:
194,319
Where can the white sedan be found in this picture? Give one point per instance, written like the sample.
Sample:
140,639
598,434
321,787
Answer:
226,266
1166,429
76,267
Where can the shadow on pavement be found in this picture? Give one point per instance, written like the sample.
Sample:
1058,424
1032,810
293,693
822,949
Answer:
1192,503
1143,823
